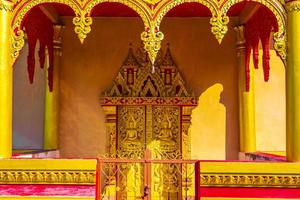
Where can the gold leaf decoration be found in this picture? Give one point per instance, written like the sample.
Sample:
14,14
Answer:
293,6
219,26
152,42
50,177
17,43
82,26
6,6
152,2
280,45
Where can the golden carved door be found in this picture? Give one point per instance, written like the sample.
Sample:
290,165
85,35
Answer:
157,128
149,110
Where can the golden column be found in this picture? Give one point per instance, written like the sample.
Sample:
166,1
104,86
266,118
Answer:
6,76
293,82
52,98
246,99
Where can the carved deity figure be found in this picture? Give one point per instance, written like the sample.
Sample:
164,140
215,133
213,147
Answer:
165,133
131,131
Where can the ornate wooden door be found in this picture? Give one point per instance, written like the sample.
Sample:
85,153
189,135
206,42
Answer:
157,128
146,110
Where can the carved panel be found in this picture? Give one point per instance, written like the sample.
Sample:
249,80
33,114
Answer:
166,132
136,80
131,131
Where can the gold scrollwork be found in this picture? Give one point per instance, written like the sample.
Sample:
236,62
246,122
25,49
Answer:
6,6
19,13
49,177
152,42
280,45
137,5
219,26
17,43
293,6
250,180
82,26
23,8
219,21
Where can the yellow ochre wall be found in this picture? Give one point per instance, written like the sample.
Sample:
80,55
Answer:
88,69
270,106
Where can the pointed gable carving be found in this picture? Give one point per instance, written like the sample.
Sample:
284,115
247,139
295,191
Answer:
135,78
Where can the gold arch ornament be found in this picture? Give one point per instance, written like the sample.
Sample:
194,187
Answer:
21,9
277,8
152,13
218,21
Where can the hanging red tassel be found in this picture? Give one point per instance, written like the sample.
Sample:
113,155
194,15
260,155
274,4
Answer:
259,28
39,27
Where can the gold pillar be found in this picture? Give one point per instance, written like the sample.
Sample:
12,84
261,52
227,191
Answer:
293,83
52,98
6,76
246,99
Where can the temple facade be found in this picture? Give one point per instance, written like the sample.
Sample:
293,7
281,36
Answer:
149,99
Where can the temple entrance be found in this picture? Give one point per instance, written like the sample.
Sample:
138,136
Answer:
148,107
148,178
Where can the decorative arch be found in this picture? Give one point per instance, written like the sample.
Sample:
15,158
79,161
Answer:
150,37
277,8
218,21
138,6
19,13
151,16
82,20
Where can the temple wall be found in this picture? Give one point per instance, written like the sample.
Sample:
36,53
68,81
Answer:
88,69
270,106
28,105
209,69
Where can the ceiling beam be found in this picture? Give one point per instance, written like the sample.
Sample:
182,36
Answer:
248,12
51,13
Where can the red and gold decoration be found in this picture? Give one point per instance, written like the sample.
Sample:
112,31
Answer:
151,13
146,110
40,29
258,29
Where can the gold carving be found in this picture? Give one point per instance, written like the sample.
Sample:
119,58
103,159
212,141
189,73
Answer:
293,6
249,180
135,81
82,26
152,2
152,42
280,45
149,116
219,26
131,131
24,7
166,130
17,44
6,6
48,177
153,15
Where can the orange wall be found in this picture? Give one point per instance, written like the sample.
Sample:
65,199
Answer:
88,69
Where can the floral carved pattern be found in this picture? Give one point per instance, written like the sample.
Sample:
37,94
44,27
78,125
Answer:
49,177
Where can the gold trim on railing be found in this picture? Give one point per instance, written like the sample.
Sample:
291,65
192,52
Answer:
47,177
